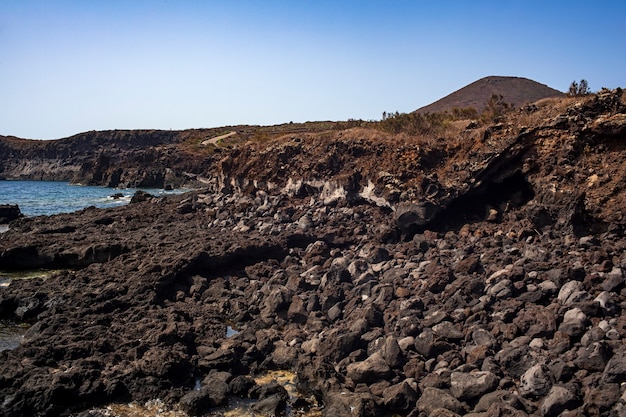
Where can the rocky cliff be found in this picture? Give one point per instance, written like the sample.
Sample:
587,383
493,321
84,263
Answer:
132,158
481,272
109,158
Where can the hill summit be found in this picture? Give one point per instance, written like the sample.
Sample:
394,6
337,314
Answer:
514,90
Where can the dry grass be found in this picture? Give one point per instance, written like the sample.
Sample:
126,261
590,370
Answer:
544,109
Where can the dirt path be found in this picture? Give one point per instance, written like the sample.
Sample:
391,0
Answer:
217,138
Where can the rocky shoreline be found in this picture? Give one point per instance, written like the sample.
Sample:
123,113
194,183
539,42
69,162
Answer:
489,285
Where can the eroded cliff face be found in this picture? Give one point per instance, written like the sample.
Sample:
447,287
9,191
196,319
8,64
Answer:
552,157
482,273
109,158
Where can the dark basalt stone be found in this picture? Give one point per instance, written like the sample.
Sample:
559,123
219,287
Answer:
9,212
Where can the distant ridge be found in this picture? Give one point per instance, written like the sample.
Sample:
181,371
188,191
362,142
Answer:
515,90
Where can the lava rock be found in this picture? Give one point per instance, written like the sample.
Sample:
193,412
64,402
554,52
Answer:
559,399
9,212
536,382
434,398
273,405
372,369
400,397
466,386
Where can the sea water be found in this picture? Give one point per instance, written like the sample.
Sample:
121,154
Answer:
36,198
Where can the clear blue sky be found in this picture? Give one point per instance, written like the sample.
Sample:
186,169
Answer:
71,66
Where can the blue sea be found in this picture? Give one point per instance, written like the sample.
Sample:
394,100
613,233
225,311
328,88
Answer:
36,198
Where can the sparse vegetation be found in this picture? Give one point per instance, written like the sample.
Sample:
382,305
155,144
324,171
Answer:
496,107
462,113
350,123
579,88
429,124
413,123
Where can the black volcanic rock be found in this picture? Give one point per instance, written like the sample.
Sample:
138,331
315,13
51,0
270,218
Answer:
9,212
119,158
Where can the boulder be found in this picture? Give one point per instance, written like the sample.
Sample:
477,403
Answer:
270,389
536,382
273,405
350,404
409,216
559,399
615,369
602,399
514,359
297,310
536,321
241,385
372,369
482,337
571,292
391,352
500,397
467,386
614,280
574,322
28,308
9,212
501,289
434,398
429,345
221,359
593,357
447,330
141,196
561,370
400,397
197,402
338,345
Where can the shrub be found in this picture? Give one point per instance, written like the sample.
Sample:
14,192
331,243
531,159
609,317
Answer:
496,107
579,89
413,123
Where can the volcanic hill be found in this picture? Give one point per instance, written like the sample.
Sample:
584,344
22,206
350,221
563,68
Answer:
514,90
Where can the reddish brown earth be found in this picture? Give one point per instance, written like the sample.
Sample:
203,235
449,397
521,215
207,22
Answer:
477,272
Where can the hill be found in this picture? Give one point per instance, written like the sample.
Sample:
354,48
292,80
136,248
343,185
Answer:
515,90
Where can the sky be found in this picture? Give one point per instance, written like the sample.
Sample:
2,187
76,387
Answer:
69,66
